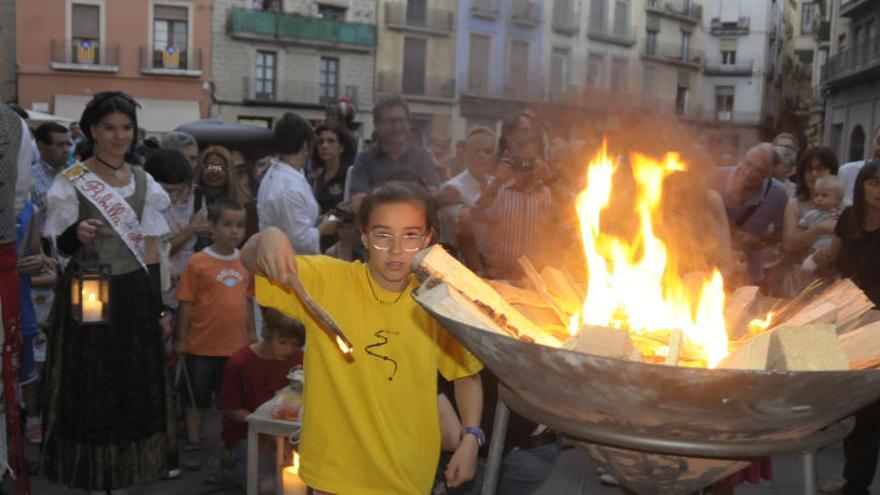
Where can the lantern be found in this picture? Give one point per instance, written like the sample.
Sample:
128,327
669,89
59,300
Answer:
90,293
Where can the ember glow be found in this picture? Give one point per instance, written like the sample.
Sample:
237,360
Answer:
630,283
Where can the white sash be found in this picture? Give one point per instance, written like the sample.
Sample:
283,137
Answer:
113,207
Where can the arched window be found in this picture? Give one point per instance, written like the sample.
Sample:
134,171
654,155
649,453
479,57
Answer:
857,144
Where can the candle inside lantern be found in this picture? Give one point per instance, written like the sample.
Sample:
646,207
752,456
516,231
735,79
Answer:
92,307
291,483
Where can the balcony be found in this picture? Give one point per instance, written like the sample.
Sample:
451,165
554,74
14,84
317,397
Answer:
682,10
294,94
433,21
675,54
255,25
617,34
565,18
509,91
716,67
857,8
525,13
738,28
171,61
485,9
732,117
822,28
84,55
429,88
860,63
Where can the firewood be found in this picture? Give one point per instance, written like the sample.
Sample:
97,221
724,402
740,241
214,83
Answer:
738,309
541,288
849,301
862,346
603,341
750,356
806,348
675,340
822,312
562,290
437,263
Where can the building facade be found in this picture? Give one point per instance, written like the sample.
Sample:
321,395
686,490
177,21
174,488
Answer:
852,110
416,59
159,51
7,51
300,58
741,73
499,58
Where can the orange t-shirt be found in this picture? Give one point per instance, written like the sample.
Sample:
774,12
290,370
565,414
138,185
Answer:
220,289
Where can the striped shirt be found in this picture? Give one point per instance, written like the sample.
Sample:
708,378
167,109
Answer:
514,224
42,177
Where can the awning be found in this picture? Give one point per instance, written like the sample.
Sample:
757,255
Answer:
155,116
36,116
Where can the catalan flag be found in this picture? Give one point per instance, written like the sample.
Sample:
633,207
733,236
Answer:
171,58
85,52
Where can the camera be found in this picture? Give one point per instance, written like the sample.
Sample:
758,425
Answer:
519,164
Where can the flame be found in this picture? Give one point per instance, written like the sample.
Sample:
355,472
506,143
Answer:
632,283
342,345
757,326
294,466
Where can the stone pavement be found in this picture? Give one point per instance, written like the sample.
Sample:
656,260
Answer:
573,475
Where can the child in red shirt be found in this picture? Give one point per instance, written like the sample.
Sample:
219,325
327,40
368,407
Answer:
215,319
251,377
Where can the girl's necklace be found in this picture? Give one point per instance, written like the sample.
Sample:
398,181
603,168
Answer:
376,297
117,170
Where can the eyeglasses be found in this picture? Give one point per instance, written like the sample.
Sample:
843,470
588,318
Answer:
396,121
408,242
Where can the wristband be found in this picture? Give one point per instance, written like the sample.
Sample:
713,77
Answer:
476,432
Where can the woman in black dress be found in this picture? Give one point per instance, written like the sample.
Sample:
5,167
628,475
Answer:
104,390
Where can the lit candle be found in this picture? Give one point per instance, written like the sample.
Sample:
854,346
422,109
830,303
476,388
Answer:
290,480
92,307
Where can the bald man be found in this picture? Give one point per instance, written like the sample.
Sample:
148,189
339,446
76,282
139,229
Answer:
755,204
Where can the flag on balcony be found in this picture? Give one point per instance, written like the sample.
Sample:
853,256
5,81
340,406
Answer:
171,58
85,52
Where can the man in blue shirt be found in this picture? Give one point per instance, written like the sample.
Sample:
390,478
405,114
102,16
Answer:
755,204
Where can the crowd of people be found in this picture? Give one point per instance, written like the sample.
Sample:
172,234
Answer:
200,243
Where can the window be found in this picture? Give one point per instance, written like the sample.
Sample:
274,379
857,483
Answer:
807,18
331,12
595,68
559,63
728,57
329,79
619,69
414,55
651,43
724,101
648,81
517,77
597,13
417,12
685,45
621,17
258,121
85,31
264,76
681,94
478,69
170,37
857,144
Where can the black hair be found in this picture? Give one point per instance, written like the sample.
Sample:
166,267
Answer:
856,224
43,134
345,139
292,132
511,122
20,111
387,103
106,103
397,192
825,156
277,324
169,166
220,205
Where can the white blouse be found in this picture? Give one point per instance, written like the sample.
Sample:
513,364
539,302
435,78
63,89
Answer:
63,206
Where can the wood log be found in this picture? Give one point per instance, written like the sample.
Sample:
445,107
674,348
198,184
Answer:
603,341
790,348
738,309
435,262
562,290
538,283
822,312
862,346
675,340
811,305
806,348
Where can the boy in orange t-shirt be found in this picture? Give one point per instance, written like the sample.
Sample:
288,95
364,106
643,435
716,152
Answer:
215,319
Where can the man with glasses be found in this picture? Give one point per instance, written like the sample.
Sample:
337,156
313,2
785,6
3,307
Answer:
371,418
392,157
849,171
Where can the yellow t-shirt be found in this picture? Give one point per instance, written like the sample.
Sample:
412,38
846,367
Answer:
370,424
